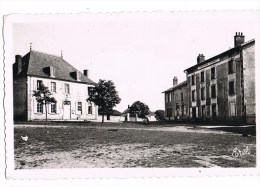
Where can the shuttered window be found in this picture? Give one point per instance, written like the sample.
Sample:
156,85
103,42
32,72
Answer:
53,86
79,107
67,88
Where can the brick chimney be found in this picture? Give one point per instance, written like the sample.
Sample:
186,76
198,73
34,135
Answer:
200,58
85,72
239,39
175,81
19,65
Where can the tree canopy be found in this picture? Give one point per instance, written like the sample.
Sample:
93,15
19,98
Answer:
139,108
159,115
105,96
43,96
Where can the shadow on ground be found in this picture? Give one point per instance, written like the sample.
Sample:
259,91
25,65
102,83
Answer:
245,131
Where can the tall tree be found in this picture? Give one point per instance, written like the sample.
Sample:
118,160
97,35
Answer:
43,96
105,96
139,108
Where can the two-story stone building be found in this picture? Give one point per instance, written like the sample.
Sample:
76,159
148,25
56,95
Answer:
67,85
176,101
222,88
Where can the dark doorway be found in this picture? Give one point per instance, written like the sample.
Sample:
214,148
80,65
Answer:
214,111
203,111
194,113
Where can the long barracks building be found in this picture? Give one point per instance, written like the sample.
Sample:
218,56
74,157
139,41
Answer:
222,88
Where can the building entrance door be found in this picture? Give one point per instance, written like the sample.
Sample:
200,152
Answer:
203,113
66,110
194,113
214,111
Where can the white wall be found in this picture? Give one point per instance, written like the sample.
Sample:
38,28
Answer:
78,93
112,118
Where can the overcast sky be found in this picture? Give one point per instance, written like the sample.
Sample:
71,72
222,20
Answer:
140,52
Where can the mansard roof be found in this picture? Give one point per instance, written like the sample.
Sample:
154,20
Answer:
35,62
227,52
182,84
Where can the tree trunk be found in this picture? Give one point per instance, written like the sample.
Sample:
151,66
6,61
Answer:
46,112
103,116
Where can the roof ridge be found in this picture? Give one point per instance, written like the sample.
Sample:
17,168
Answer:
44,53
247,42
176,86
39,60
215,56
49,54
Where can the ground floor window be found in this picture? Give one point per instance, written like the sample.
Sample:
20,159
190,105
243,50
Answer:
39,107
79,108
53,108
203,112
182,110
90,108
232,109
214,110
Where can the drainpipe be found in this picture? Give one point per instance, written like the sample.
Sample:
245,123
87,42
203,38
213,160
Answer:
242,86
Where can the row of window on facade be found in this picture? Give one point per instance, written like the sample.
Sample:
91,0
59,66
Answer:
231,91
213,73
53,107
53,86
179,111
204,109
168,97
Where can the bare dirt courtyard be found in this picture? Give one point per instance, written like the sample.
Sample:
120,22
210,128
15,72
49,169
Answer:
126,145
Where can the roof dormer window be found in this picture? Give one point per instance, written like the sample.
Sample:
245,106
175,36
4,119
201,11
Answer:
78,75
52,71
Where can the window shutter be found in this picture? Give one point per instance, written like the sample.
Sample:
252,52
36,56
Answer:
217,109
35,106
76,107
57,108
49,85
93,109
34,84
49,108
197,110
70,89
43,108
62,87
190,112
